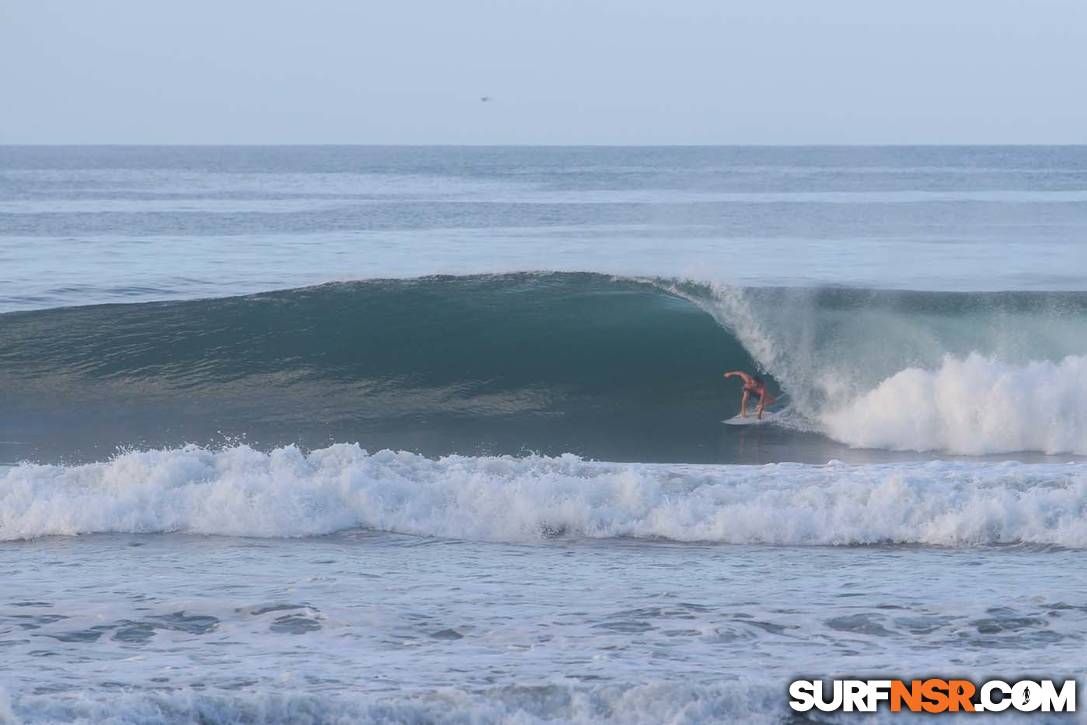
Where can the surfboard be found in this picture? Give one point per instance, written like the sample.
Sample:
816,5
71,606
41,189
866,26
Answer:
768,416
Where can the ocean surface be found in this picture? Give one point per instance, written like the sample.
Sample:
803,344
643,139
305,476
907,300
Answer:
350,434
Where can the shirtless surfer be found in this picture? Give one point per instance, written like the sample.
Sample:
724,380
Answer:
752,384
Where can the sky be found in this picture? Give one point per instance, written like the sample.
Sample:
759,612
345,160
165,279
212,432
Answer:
554,71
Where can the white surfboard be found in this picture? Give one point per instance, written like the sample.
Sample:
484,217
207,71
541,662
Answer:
768,416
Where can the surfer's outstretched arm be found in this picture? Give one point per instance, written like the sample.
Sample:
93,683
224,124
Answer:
739,373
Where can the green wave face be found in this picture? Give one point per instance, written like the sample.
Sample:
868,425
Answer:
554,362
616,369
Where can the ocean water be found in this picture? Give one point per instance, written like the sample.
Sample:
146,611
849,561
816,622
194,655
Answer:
330,434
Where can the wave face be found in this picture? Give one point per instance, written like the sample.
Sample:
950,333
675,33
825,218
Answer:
616,369
286,493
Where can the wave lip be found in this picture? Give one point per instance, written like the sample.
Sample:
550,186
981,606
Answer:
240,491
968,374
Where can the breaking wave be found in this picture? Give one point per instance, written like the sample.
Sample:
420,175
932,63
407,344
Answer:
609,368
240,491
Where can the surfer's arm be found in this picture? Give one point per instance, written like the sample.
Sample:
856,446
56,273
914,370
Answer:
738,373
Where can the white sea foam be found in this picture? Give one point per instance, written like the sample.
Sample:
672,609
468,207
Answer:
287,493
971,405
544,703
662,702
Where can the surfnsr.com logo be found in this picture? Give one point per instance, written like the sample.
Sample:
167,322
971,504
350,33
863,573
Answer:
932,695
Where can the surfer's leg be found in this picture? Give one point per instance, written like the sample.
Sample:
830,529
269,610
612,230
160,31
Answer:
743,405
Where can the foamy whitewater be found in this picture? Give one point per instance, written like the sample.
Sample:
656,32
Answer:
286,493
435,435
972,405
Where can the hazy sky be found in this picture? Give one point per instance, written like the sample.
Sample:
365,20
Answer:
558,71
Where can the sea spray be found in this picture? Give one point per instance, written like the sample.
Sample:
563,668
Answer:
972,405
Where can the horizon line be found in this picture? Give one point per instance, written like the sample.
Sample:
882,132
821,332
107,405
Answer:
66,144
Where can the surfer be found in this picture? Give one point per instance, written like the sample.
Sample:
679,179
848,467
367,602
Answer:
752,384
